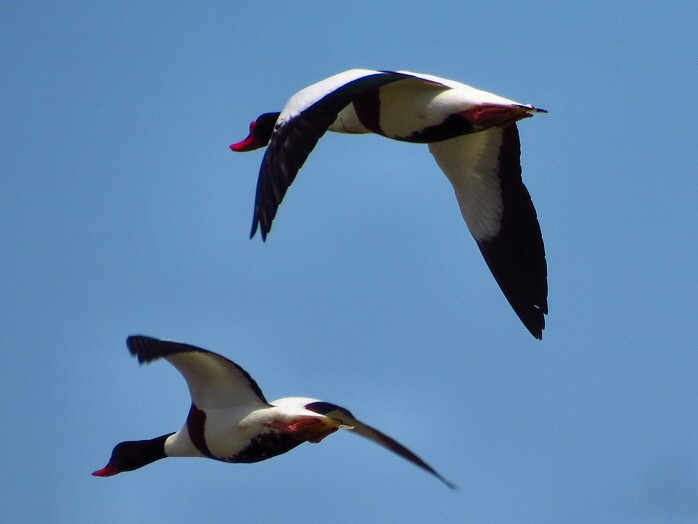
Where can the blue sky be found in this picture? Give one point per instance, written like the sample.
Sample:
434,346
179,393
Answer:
124,212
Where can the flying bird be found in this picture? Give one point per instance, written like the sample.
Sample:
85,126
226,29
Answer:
473,137
230,419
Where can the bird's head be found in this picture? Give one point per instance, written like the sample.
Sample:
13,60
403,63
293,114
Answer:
130,455
261,130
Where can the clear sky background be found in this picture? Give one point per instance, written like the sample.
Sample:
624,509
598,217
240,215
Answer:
123,211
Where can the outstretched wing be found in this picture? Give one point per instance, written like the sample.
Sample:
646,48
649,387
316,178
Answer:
306,117
485,171
345,417
213,380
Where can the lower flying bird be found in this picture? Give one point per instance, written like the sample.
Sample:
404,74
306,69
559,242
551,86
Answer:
230,420
473,137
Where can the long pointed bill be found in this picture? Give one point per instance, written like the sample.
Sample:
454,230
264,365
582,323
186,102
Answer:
106,471
493,115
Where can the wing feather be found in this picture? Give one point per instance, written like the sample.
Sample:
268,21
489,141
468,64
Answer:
213,380
485,171
344,417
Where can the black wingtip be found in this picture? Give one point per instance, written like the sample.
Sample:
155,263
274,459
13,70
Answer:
138,347
256,224
532,317
449,484
535,323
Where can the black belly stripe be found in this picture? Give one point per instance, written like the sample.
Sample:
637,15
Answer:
196,422
265,446
454,125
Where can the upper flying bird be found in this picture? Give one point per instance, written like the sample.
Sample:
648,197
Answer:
473,137
230,420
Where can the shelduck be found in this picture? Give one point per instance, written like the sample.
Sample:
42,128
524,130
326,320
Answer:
474,139
230,419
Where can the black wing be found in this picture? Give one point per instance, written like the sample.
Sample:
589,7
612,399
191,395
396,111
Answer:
345,417
485,171
296,137
516,256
